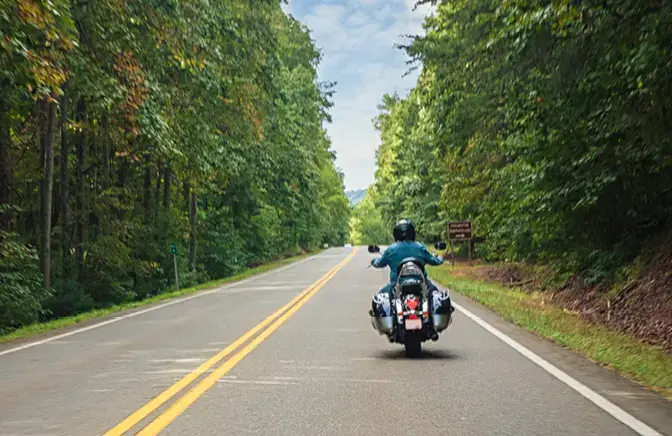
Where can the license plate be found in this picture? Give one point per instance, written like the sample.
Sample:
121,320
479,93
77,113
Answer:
413,324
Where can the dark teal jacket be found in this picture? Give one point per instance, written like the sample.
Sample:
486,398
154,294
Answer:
399,251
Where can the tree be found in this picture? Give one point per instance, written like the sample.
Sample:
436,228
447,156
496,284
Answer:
195,123
543,123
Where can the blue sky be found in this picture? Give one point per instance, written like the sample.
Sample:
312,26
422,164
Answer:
357,40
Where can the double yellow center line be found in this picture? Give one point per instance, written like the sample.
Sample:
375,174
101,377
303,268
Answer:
275,320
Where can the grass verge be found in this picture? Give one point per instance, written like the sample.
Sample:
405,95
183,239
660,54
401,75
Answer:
648,365
35,329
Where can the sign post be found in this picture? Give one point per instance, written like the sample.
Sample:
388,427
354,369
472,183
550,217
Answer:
460,231
452,251
173,251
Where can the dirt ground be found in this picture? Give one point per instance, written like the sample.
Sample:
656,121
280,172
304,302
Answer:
641,308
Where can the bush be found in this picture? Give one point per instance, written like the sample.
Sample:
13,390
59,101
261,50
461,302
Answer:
68,299
21,286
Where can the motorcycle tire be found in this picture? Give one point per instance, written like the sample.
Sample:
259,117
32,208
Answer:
413,347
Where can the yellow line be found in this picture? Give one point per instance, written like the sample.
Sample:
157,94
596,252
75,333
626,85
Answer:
197,391
170,392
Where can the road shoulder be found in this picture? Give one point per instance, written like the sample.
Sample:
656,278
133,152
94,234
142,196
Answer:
85,321
643,404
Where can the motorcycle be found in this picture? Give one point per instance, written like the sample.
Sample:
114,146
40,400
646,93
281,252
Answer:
413,316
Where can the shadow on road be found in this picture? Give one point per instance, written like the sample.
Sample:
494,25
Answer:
400,354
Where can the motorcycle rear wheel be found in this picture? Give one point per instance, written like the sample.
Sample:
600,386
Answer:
413,347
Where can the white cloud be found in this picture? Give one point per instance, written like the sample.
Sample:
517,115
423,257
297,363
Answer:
357,18
383,13
357,40
325,19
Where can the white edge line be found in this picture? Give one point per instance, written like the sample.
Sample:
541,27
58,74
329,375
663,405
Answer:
153,308
601,402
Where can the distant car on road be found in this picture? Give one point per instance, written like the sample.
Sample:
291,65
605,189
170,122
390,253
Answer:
348,245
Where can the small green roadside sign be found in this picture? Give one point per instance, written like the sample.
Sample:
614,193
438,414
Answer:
173,248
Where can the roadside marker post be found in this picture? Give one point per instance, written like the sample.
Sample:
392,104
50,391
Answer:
173,251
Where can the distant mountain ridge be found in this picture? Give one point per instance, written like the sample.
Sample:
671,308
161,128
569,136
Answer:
355,196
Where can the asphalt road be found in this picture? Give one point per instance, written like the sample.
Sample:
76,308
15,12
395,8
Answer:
319,369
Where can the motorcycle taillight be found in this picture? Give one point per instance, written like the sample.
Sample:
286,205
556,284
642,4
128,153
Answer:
412,303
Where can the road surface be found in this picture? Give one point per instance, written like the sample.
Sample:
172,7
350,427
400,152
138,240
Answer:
319,369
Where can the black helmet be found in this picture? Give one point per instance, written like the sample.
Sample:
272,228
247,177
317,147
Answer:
404,230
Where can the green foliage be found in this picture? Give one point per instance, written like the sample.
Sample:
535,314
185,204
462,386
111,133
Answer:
21,289
545,123
366,224
195,123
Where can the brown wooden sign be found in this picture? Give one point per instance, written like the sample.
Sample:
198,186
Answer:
459,231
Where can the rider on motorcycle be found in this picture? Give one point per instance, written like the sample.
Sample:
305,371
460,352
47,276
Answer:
405,247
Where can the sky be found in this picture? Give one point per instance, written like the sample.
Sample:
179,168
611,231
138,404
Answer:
356,38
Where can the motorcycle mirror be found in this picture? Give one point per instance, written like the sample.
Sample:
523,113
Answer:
440,245
374,249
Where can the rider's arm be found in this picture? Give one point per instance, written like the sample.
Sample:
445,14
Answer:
382,261
431,259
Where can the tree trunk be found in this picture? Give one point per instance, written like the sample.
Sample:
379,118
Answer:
121,184
5,168
157,189
148,193
107,174
41,119
81,213
166,186
107,153
187,190
65,227
47,187
192,231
